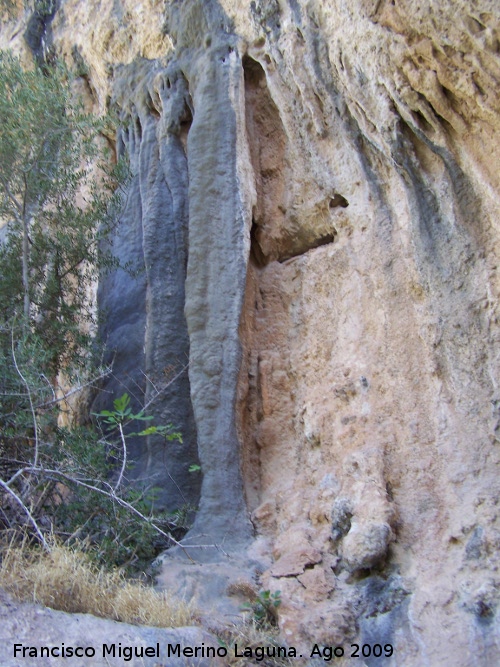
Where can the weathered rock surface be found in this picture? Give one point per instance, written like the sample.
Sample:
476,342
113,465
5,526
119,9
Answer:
34,626
144,328
335,188
367,400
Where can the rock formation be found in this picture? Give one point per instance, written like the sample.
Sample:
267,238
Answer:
100,642
314,223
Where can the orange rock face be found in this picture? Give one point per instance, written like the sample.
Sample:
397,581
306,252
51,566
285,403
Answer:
368,404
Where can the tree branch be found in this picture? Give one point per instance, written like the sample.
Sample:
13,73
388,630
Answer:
124,457
75,390
109,494
32,408
27,512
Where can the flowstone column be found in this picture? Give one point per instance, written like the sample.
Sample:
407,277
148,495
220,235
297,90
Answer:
219,222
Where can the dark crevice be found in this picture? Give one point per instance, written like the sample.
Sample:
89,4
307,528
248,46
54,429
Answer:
445,124
138,128
154,107
186,121
338,200
187,115
257,257
316,243
421,121
38,34
267,154
252,70
452,99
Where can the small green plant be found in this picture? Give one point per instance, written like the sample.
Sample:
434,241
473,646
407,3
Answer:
121,416
82,498
264,608
121,413
118,536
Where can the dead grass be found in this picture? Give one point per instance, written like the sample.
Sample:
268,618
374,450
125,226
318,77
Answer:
252,635
67,580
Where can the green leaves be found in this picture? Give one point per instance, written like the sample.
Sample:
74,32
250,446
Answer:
122,414
264,607
121,404
59,197
59,200
151,430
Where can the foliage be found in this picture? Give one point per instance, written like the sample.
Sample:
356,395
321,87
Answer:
122,411
264,608
73,490
58,202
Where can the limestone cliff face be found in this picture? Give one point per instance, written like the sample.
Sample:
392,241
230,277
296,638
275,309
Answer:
314,217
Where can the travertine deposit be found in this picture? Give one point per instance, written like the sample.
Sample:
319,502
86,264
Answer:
314,222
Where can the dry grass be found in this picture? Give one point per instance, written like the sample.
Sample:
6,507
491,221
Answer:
252,635
66,579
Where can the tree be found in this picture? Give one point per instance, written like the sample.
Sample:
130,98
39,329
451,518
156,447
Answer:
57,206
58,202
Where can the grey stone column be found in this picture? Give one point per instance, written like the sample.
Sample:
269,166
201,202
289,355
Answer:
219,222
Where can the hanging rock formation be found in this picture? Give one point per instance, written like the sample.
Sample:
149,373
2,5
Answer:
314,223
